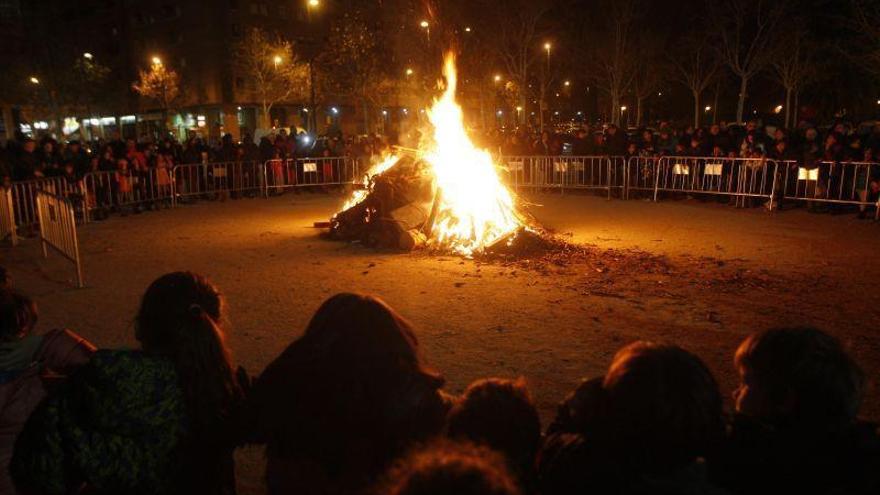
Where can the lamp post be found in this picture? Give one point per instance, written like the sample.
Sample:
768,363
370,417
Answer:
427,27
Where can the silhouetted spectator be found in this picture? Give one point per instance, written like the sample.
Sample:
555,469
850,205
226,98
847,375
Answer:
796,429
345,399
446,468
157,420
640,429
29,363
501,415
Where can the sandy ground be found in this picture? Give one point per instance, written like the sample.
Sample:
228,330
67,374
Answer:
701,275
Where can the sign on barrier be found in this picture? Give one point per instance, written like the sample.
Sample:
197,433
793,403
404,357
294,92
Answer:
58,229
7,216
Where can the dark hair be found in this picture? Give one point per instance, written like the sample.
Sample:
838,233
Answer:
356,373
502,415
445,468
179,319
18,315
807,365
662,404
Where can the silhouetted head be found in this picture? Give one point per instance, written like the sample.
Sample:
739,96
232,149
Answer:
447,468
800,375
18,315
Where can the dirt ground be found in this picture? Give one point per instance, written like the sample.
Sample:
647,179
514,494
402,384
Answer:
698,274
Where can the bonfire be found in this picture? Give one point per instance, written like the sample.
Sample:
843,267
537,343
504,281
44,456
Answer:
446,195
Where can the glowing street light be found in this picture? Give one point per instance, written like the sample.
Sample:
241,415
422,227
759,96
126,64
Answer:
708,108
156,60
467,29
497,78
409,72
314,3
623,108
34,80
567,83
88,56
424,24
334,110
777,109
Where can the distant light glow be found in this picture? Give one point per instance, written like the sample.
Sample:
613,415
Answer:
334,110
88,55
424,24
34,80
156,60
777,109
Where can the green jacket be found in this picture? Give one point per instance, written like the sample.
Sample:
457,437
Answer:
115,426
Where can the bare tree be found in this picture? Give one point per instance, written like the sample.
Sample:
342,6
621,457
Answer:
794,66
866,21
651,72
746,31
270,63
353,64
696,68
159,83
614,53
515,38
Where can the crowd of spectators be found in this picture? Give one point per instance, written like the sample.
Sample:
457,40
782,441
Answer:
132,161
352,407
806,144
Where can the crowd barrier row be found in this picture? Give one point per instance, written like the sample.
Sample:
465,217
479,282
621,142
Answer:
742,179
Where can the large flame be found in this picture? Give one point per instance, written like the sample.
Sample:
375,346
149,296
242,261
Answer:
476,208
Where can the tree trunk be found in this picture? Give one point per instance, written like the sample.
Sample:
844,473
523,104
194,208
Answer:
741,104
715,103
639,102
615,108
787,108
696,109
797,107
365,108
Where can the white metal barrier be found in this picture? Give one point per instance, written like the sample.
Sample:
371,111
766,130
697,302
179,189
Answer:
852,183
58,229
7,216
288,173
126,189
24,196
563,172
217,179
741,178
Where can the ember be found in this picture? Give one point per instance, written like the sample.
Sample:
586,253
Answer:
446,195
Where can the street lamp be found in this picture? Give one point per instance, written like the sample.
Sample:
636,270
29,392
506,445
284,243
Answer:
156,60
567,83
409,72
88,56
708,108
277,59
34,80
497,78
314,3
777,109
467,29
424,24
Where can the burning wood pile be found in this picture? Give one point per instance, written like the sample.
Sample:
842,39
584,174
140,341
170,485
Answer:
446,195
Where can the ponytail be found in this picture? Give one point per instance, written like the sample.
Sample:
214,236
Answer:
204,366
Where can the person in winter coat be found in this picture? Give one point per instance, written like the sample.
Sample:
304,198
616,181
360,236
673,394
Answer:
163,419
30,364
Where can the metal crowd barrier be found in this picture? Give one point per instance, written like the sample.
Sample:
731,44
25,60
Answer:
206,179
58,229
283,174
640,174
24,196
7,216
853,183
741,178
126,189
564,172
